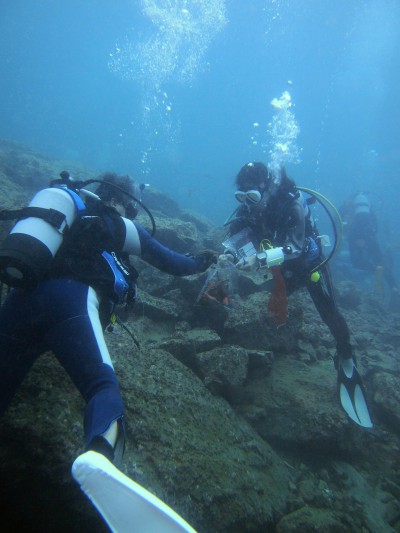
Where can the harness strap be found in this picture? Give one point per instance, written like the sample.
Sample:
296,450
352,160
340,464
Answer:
52,216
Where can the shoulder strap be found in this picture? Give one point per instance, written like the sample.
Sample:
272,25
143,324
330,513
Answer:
79,203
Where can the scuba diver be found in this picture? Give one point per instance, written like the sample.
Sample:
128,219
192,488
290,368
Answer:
274,229
365,251
62,301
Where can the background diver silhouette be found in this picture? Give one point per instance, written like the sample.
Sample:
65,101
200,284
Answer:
366,252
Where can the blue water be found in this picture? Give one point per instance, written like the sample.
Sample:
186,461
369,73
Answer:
169,91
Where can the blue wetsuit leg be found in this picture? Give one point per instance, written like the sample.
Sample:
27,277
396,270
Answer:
63,316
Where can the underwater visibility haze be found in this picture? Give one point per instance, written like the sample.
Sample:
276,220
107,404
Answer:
180,95
178,92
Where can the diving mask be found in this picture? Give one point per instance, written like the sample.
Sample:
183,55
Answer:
251,197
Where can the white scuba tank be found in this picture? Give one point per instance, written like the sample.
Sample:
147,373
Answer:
361,204
27,251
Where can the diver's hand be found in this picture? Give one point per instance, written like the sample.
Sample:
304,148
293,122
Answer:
205,259
226,258
248,263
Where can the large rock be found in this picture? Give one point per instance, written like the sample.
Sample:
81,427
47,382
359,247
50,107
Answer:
308,520
31,171
176,234
249,325
156,308
386,395
194,446
184,444
296,406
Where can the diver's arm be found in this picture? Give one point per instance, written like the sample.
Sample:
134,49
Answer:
139,242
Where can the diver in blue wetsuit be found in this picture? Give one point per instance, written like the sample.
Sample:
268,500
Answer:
67,310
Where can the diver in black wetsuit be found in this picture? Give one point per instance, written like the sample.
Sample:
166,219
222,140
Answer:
279,223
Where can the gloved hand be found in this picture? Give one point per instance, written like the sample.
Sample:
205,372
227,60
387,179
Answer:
248,263
205,259
226,258
231,253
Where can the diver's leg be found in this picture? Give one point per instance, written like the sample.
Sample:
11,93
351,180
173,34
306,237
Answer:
350,387
78,343
322,295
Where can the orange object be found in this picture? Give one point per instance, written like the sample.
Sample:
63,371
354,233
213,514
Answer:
277,304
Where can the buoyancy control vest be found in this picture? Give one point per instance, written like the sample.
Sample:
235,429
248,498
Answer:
58,235
91,253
